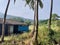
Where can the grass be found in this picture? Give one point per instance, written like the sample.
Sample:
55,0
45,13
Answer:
14,39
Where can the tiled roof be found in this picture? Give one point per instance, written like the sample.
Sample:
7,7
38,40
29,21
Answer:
13,22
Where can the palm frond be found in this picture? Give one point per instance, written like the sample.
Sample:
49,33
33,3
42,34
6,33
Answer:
31,3
27,1
40,3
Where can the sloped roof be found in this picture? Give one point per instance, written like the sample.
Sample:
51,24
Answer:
13,22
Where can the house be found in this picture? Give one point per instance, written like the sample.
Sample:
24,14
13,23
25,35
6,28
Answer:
12,26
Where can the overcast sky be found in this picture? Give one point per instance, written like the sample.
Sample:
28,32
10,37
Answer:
20,10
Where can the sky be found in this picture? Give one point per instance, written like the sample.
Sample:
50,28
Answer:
19,9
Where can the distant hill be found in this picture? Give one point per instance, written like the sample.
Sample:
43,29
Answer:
8,16
21,19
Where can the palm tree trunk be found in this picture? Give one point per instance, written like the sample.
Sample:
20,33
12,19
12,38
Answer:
49,27
36,20
4,20
50,14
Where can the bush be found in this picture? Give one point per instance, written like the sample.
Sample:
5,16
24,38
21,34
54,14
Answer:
57,36
43,35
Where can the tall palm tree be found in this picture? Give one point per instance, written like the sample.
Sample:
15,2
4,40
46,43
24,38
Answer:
36,20
4,20
49,26
31,5
55,17
34,5
50,15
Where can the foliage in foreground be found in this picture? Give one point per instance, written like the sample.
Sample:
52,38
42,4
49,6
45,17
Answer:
48,37
45,37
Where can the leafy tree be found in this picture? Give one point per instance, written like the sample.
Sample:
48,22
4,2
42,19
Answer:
55,17
4,20
28,22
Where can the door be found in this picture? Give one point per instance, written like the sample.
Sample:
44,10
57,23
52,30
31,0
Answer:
11,29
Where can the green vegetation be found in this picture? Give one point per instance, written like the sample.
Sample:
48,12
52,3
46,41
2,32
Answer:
14,39
45,36
46,33
48,37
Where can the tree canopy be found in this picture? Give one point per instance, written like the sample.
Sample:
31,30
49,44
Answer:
55,16
31,3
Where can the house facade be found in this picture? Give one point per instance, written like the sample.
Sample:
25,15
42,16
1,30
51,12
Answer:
13,27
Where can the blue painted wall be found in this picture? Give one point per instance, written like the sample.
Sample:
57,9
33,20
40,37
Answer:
23,28
17,29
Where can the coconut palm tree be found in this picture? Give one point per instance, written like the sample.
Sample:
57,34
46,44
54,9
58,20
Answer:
31,5
49,26
34,5
4,20
36,20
